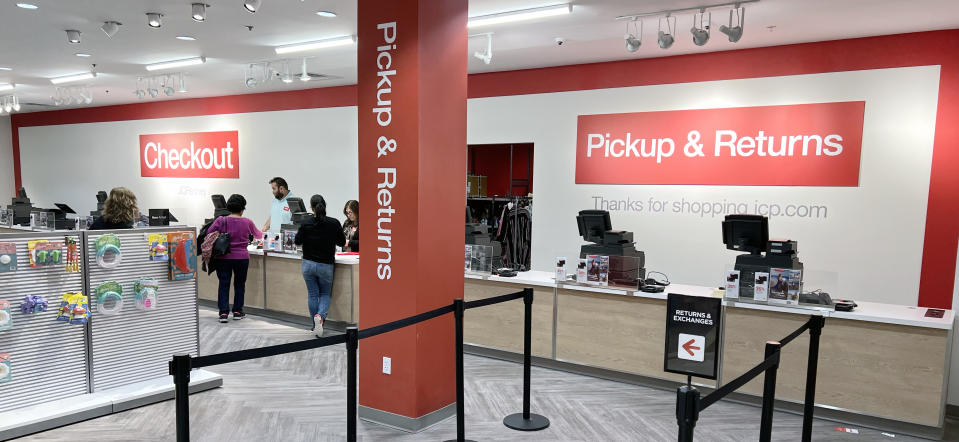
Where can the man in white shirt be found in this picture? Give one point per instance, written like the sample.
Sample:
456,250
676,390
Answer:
280,212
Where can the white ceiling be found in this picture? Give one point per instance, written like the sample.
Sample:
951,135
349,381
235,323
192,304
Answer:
35,44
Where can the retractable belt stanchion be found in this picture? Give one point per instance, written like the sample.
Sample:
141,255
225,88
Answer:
816,324
527,421
180,368
352,342
687,411
460,393
769,392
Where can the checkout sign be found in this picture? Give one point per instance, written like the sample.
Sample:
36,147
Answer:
190,155
692,335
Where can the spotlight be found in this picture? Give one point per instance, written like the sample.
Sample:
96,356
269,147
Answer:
252,5
305,76
182,88
487,56
734,32
199,11
699,30
85,96
110,28
73,36
167,86
154,19
152,89
8,106
666,38
632,42
16,104
286,77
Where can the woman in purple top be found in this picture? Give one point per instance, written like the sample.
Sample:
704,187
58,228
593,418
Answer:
235,263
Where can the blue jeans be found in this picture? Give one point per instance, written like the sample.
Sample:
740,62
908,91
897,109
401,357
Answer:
237,270
319,284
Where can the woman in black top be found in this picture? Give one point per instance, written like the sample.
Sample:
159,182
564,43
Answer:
119,211
319,240
351,228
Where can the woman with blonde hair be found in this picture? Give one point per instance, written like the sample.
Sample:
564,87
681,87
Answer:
119,211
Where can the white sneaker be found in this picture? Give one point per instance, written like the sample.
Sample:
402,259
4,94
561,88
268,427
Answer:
318,325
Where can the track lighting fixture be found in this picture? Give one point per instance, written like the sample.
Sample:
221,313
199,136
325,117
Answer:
666,39
140,91
252,5
167,84
73,36
304,76
699,30
67,95
182,88
110,28
287,76
487,56
632,41
734,32
154,19
199,11
9,104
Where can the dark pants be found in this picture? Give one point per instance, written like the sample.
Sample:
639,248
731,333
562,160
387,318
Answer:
236,268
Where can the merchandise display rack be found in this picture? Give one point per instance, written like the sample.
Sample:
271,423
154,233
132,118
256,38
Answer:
64,373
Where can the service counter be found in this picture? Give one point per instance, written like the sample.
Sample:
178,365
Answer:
882,365
275,287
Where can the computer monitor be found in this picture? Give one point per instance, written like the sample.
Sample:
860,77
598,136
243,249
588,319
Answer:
159,217
64,208
219,206
296,204
593,224
747,233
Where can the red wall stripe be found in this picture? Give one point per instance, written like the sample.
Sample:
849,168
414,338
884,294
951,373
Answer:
890,51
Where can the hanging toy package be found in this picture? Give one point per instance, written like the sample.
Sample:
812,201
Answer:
109,298
45,253
6,368
6,318
33,304
81,310
73,255
8,257
146,290
108,251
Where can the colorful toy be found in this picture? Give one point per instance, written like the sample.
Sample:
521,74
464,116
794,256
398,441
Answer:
8,257
44,253
74,308
158,248
182,249
108,251
147,290
33,304
73,255
6,318
109,298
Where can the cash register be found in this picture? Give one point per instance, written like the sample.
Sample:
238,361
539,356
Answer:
300,214
750,233
101,201
21,207
596,228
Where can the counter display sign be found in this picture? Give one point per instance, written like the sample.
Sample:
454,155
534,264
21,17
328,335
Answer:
692,335
816,144
190,155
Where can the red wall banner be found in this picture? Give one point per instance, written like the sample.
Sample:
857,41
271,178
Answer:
190,155
793,145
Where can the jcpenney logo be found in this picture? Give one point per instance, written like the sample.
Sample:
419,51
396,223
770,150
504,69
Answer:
793,145
190,155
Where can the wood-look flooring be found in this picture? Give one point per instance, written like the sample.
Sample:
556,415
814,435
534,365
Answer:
301,397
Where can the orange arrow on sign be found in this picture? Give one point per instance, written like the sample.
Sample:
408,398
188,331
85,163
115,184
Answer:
688,346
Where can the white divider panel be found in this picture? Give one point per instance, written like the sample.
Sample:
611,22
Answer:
136,345
48,357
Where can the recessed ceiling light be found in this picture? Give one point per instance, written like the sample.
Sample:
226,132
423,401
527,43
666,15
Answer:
26,6
154,19
81,54
311,45
199,11
329,14
185,37
520,15
252,5
176,63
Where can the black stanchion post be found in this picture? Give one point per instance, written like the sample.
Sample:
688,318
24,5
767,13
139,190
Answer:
816,324
352,343
527,421
769,392
460,393
180,369
687,411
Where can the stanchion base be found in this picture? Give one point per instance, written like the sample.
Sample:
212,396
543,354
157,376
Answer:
457,440
534,423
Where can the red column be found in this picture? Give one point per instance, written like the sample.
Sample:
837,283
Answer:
411,66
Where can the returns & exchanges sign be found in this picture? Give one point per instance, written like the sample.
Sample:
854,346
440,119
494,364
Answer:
190,155
792,145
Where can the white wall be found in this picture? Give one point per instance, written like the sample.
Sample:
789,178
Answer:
6,162
870,244
315,150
